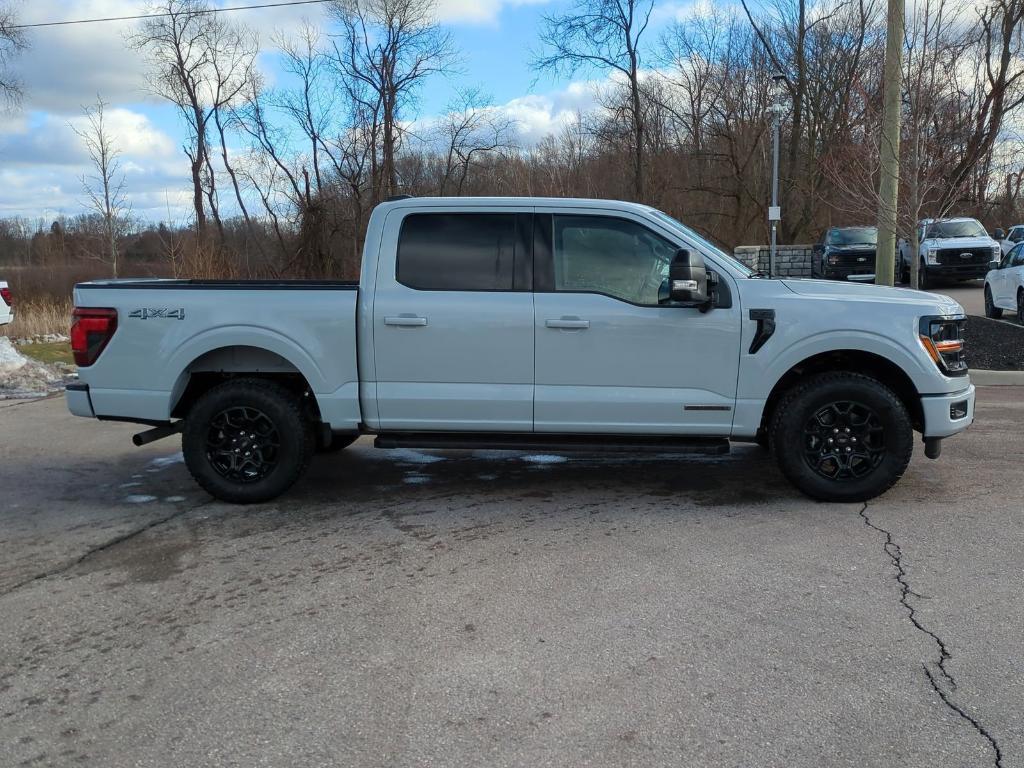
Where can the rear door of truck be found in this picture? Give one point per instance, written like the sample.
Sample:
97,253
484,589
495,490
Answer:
453,320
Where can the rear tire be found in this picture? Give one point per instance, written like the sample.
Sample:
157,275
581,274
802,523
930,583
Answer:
842,437
991,310
1020,306
246,441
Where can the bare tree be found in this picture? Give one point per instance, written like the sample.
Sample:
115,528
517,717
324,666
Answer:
12,42
105,187
384,51
471,130
200,63
603,35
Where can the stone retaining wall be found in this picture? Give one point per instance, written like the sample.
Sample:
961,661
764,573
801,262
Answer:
790,260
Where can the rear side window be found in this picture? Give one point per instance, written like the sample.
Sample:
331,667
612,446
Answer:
457,251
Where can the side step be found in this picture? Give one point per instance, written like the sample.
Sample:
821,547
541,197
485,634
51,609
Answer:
532,441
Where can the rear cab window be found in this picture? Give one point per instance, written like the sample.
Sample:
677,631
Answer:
462,251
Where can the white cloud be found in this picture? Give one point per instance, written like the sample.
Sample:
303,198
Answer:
67,66
44,161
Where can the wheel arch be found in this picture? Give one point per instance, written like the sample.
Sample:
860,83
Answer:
854,361
231,361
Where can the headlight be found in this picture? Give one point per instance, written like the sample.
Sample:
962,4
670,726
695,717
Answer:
942,338
929,256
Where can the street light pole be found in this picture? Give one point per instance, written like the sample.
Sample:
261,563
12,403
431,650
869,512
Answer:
774,213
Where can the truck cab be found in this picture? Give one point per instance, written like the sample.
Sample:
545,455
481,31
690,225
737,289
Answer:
522,323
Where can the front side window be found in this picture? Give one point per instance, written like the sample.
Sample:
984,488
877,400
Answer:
457,251
1017,255
617,257
1016,234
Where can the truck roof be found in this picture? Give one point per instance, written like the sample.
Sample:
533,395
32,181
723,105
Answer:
517,202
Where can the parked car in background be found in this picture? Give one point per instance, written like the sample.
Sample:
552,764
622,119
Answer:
6,304
845,253
1004,285
526,323
1009,239
953,249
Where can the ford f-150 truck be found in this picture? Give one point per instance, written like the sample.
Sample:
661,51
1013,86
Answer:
955,249
520,323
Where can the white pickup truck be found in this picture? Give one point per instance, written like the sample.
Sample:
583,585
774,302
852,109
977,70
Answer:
6,304
520,323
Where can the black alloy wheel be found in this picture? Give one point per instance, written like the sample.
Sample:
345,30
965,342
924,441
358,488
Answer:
844,440
242,444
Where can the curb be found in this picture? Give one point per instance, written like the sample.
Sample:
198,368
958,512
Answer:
997,378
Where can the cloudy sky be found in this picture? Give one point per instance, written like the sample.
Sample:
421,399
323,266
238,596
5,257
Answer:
42,160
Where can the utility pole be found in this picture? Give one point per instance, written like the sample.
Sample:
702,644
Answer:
774,212
889,146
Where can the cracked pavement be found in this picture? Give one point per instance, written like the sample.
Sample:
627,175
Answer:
414,608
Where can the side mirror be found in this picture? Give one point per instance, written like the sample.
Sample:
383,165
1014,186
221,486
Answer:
688,279
998,235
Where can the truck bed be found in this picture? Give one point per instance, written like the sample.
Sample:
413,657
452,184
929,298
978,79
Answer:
169,331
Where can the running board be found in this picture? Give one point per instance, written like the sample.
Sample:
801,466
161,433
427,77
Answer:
532,441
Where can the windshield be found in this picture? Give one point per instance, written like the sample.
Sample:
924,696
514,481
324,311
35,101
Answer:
853,236
942,229
703,242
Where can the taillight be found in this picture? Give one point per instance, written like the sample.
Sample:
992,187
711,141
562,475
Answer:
5,292
91,330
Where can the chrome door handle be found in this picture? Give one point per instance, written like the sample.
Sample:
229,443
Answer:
406,322
573,323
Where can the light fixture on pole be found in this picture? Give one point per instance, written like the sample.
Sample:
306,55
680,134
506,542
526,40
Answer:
775,212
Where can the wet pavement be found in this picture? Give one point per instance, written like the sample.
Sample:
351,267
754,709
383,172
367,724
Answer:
443,608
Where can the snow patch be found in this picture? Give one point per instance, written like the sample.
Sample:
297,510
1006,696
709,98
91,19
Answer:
545,458
174,499
409,456
23,377
139,499
162,462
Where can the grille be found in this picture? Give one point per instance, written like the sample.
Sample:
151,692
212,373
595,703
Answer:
852,259
953,257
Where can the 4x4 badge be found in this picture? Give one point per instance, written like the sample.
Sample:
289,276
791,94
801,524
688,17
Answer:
169,314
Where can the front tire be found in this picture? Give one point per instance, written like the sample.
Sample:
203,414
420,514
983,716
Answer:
246,441
991,310
923,282
842,437
1020,306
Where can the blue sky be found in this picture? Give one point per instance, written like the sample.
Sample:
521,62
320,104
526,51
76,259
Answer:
42,161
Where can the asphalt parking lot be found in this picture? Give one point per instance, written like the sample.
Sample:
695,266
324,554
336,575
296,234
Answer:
472,609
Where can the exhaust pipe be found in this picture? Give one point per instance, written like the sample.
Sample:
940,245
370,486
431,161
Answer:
933,447
157,433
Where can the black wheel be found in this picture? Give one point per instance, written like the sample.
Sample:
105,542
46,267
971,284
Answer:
1020,306
904,272
246,441
991,310
842,437
338,442
923,283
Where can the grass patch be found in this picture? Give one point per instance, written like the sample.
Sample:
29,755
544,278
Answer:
48,352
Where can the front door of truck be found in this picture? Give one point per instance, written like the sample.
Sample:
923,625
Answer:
612,355
453,321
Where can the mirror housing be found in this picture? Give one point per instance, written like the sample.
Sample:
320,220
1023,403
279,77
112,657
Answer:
998,234
688,280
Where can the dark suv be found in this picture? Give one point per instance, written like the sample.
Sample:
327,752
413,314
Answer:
845,252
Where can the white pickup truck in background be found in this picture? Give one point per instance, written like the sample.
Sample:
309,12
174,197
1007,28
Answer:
950,249
6,304
528,323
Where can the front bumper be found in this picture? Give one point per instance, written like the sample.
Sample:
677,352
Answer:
942,412
79,402
957,271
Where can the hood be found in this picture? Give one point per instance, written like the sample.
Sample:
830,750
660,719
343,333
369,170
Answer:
981,241
867,292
